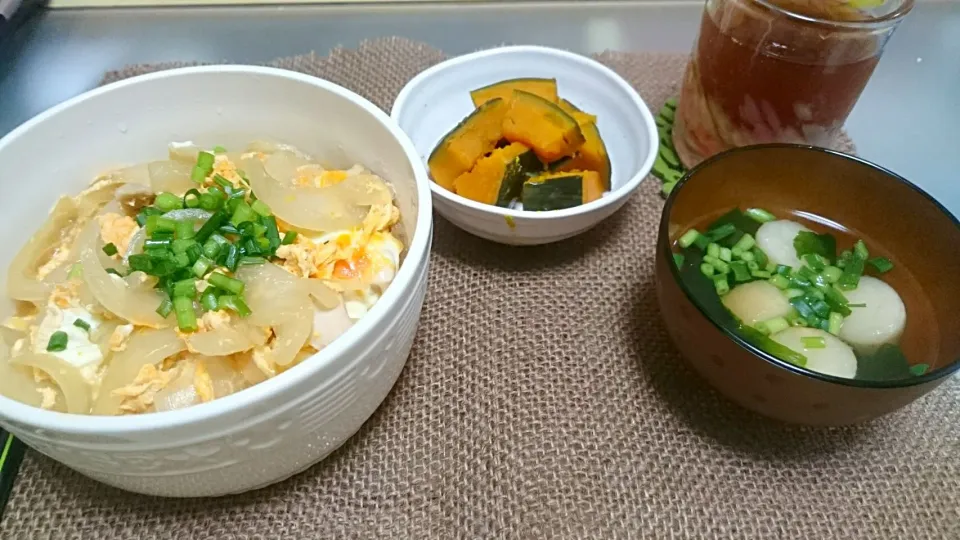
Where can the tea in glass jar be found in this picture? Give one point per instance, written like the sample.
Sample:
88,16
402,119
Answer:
789,71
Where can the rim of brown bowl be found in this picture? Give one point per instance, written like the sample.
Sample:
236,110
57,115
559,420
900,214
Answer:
663,244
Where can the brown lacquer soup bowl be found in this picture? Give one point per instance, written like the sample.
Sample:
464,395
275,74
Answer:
831,193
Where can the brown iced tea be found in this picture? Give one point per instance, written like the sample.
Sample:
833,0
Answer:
778,71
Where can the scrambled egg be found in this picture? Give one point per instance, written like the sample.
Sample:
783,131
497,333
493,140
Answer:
118,230
62,311
369,254
139,395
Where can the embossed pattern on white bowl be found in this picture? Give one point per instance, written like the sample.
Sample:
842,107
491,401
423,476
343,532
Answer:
279,427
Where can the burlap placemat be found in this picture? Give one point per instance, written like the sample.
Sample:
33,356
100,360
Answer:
543,399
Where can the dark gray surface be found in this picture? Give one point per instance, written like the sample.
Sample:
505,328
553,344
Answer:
906,120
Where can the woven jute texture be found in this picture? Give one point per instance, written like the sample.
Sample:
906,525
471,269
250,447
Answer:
543,399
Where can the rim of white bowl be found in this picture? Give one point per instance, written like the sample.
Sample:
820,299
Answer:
610,198
417,250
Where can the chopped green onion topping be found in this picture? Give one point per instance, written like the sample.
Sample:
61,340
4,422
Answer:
157,223
202,266
713,250
747,256
688,238
186,287
110,249
881,264
219,150
58,341
740,272
80,323
759,215
210,202
165,308
233,303
779,281
76,271
261,208
225,282
222,182
721,285
813,342
745,242
772,326
721,232
824,245
726,254
232,258
707,269
919,369
835,322
186,315
251,261
291,236
205,160
209,300
721,266
850,278
167,202
860,250
760,257
678,258
113,271
198,174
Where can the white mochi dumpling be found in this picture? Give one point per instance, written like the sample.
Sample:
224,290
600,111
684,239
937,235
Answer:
775,238
880,321
756,301
835,358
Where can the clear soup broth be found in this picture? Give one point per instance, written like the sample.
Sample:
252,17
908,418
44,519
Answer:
896,355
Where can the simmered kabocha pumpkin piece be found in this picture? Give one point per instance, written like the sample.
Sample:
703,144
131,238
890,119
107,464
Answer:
498,178
556,191
541,125
545,88
474,137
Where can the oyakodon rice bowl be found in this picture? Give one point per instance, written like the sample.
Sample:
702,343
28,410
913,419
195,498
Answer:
207,332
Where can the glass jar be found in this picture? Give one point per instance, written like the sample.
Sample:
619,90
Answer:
778,71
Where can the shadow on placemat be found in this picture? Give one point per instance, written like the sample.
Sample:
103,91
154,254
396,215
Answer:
544,399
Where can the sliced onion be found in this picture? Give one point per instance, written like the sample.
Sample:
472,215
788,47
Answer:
273,294
135,304
134,175
250,372
226,379
75,389
323,294
266,146
180,393
145,347
90,201
328,325
101,336
231,338
184,152
171,176
292,335
16,382
340,206
22,283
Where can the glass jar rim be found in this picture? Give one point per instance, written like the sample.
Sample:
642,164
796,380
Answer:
884,20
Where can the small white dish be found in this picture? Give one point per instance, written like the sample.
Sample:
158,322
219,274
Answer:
434,101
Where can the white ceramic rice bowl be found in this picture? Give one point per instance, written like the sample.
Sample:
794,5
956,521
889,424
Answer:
437,99
279,427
